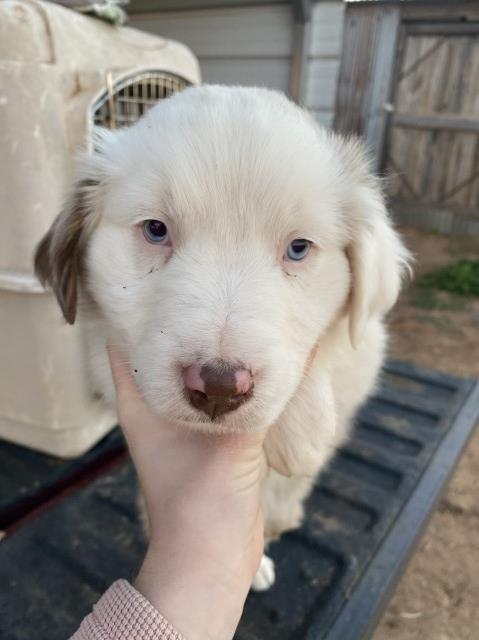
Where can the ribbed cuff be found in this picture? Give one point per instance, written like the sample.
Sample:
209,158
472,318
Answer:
122,613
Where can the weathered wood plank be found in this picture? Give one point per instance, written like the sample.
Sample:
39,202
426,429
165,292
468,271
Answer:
382,82
440,219
299,61
469,79
434,142
443,28
361,28
442,121
460,11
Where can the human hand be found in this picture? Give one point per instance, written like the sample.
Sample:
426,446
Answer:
202,495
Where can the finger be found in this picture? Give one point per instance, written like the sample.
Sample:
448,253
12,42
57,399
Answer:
125,385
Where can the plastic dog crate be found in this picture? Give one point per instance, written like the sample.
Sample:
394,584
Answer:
60,73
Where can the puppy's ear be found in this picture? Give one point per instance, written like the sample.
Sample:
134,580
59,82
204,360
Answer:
377,257
59,255
305,436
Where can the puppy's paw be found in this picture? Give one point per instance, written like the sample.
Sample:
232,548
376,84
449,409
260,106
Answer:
265,575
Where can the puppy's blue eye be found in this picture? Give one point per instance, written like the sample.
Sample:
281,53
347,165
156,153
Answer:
155,231
298,249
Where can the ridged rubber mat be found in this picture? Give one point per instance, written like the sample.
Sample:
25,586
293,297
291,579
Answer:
29,478
334,575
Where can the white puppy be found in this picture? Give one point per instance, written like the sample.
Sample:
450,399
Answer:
244,259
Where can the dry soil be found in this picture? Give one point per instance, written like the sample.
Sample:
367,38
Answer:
438,596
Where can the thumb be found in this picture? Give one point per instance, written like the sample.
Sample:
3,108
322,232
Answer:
138,422
125,386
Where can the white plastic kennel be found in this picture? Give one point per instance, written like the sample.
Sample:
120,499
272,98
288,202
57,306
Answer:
60,73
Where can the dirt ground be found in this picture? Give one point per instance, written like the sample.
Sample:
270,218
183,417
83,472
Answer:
438,596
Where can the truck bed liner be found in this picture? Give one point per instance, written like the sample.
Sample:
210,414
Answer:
335,575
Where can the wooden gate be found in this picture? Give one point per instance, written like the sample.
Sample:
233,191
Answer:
432,144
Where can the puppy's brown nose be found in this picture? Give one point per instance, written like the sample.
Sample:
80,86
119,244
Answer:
218,387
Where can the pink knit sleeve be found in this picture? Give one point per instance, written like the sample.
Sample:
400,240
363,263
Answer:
122,613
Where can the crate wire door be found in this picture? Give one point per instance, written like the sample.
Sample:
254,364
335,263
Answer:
126,99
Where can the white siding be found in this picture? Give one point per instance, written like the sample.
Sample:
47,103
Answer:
264,72
253,45
327,29
246,45
324,59
321,85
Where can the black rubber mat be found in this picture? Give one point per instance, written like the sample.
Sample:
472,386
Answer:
334,575
29,478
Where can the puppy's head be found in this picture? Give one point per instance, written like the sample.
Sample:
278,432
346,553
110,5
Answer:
219,238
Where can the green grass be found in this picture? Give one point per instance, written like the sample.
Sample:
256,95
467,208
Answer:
442,322
431,300
460,278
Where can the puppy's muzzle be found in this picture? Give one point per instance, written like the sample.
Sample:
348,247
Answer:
217,388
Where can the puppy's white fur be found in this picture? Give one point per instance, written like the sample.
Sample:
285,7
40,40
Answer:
236,174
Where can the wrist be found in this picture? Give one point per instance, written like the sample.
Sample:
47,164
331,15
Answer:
202,600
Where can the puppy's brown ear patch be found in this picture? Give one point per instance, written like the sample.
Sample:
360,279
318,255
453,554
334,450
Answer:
59,255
